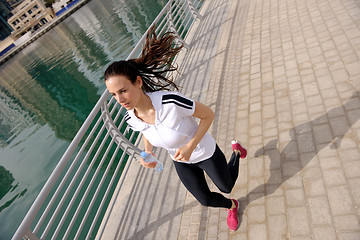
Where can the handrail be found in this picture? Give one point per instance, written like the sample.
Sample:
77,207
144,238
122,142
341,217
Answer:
66,192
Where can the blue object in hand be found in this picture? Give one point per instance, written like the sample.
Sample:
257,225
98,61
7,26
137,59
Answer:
150,158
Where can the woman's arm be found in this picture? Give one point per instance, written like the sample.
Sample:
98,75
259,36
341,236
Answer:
148,146
206,116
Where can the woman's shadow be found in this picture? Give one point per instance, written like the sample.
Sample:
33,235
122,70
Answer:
307,139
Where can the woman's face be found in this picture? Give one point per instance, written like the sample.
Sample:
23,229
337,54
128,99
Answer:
124,91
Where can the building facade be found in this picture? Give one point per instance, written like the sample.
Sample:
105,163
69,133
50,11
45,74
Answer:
5,14
29,16
14,3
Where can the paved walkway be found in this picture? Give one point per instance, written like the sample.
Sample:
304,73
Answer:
283,76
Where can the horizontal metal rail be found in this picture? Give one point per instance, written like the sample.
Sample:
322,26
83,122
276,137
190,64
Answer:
73,202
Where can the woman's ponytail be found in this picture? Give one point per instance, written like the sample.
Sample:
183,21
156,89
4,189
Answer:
154,63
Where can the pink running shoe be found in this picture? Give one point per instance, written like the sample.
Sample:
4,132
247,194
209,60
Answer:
232,219
236,145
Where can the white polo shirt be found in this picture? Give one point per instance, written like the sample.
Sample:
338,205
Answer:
174,125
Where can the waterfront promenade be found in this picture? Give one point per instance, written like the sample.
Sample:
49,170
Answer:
283,77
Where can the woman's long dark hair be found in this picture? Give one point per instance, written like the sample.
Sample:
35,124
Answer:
153,64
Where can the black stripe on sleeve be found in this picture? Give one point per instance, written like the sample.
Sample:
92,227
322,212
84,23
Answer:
178,103
178,100
127,116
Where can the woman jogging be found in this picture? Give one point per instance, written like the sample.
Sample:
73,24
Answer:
167,119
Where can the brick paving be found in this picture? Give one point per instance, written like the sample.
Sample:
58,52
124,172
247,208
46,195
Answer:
283,77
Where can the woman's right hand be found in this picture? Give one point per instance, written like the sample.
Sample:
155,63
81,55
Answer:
150,164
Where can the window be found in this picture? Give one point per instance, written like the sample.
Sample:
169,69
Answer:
15,22
36,7
30,12
43,21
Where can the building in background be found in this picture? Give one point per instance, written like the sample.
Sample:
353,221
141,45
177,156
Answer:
29,16
61,6
14,3
5,14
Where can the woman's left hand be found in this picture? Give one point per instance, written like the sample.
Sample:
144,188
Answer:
183,153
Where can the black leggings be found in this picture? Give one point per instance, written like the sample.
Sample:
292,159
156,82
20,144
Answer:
223,174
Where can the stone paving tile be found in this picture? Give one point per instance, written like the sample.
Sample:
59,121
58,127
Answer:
319,209
295,66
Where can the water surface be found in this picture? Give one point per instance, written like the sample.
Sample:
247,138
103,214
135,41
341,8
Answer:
48,89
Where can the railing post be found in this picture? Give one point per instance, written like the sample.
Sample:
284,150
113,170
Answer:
113,129
173,21
31,236
172,27
194,12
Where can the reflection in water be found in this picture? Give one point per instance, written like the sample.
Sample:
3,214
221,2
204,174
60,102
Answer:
54,98
48,89
13,118
6,183
128,18
6,187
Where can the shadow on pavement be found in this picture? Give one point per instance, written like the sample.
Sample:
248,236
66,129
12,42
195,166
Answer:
307,139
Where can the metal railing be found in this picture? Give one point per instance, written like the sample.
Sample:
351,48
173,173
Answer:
73,202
